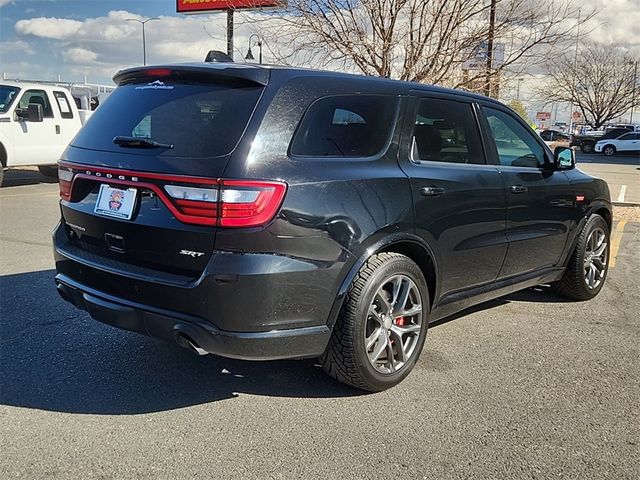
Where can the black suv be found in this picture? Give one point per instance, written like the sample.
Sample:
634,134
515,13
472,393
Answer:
267,212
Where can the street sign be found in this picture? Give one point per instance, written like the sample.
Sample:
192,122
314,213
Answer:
203,6
543,115
577,116
478,57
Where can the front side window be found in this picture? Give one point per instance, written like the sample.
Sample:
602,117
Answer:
345,126
63,105
626,136
39,97
7,96
446,131
516,147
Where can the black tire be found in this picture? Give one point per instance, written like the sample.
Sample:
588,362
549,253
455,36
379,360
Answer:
50,171
346,358
573,283
609,150
587,147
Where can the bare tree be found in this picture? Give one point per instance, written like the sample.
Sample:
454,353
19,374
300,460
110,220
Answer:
599,81
418,40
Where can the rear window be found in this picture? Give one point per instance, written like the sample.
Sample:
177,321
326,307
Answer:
198,120
345,126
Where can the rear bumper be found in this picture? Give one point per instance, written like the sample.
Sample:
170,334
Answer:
271,345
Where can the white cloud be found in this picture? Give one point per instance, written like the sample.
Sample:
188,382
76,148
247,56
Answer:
18,46
617,23
80,56
55,28
5,2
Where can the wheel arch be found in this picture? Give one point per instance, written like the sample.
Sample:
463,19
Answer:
412,246
605,213
3,155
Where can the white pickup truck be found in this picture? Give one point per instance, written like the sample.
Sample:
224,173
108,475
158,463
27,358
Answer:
37,122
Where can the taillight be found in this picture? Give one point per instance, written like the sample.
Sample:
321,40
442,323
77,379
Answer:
249,203
193,200
196,202
234,203
65,177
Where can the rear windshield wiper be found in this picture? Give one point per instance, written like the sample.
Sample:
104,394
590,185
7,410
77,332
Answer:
139,142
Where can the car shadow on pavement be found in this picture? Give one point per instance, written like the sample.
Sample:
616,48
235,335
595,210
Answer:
541,293
25,176
55,357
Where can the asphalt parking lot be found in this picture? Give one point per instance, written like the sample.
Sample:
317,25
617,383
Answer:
529,386
622,173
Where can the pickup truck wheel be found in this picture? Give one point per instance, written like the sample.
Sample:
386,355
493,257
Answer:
50,171
587,269
382,327
587,147
609,150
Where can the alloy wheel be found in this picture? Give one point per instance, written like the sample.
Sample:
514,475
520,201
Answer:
595,258
394,323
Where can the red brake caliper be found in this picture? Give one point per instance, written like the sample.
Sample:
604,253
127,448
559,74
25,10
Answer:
400,321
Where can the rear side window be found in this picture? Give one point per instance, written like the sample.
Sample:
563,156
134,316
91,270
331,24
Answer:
446,131
345,126
37,96
63,105
199,120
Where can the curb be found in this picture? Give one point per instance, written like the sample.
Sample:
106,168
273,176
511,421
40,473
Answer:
626,204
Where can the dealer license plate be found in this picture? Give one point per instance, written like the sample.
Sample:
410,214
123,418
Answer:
116,202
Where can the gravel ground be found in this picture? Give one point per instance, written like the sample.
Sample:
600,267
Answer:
629,214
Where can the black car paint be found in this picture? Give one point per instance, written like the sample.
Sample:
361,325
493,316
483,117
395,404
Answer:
275,291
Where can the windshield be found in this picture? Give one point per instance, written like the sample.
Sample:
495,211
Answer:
7,96
199,120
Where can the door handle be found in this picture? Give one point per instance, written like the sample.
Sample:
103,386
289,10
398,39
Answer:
431,191
58,129
518,189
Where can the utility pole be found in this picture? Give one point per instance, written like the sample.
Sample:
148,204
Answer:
492,26
518,89
633,94
575,71
144,41
230,32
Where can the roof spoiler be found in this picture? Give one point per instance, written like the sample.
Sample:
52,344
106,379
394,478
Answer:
231,73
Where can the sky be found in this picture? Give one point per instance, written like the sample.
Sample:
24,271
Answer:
44,39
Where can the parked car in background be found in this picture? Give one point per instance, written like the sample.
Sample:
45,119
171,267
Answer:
629,142
588,142
554,138
265,212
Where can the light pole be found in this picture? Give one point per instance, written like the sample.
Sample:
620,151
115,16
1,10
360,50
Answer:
249,55
144,42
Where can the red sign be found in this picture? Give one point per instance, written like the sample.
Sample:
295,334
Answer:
543,115
577,115
197,6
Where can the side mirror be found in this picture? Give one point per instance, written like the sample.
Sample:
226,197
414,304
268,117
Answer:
564,158
34,113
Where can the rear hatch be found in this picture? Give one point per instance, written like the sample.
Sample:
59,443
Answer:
140,182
